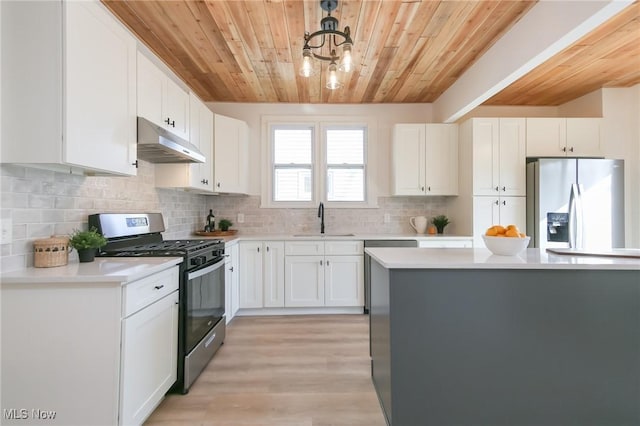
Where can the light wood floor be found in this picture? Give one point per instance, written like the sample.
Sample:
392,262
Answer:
283,371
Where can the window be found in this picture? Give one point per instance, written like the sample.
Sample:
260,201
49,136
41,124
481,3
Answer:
292,164
307,162
345,164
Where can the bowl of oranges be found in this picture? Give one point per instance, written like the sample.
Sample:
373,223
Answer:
505,240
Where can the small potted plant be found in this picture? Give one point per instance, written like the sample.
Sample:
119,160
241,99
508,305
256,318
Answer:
224,224
87,242
440,222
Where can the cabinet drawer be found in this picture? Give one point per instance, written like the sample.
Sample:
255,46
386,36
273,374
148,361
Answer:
304,248
343,248
145,291
445,244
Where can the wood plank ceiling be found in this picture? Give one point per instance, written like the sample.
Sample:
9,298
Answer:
404,51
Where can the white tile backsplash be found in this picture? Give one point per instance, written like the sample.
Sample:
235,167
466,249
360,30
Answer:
294,221
42,203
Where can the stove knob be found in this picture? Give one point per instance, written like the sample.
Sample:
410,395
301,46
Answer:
197,261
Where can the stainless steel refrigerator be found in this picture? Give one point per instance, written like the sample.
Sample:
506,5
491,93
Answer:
575,203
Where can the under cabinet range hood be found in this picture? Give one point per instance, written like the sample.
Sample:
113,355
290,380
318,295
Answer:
158,145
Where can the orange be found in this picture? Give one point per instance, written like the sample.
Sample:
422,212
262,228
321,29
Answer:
491,232
523,235
512,233
499,229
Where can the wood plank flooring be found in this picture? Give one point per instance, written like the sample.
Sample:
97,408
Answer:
283,371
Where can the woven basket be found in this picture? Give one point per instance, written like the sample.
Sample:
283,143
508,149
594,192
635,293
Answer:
50,252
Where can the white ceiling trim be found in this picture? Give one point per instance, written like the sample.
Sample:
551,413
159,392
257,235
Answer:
548,28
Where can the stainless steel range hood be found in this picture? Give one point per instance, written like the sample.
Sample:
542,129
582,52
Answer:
158,145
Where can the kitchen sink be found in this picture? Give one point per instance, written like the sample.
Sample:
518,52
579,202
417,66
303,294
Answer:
324,235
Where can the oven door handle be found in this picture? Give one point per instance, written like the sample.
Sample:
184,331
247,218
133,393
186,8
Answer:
204,271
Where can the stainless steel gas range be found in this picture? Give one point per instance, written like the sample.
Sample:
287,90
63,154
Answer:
201,324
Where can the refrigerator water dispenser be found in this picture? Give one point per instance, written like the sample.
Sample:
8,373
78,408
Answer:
558,227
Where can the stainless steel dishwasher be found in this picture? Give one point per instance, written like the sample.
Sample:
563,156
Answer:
367,263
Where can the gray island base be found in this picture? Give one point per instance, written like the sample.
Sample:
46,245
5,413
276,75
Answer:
514,347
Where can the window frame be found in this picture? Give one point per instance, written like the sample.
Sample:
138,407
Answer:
319,177
325,127
302,126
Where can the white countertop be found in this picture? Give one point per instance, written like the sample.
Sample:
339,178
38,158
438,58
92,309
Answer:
339,236
461,258
102,269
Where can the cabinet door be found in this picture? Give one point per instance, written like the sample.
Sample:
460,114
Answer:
583,137
273,274
513,173
408,159
150,88
513,210
546,137
201,135
176,109
149,358
441,167
486,156
228,290
486,213
229,155
235,282
344,281
100,90
250,274
304,281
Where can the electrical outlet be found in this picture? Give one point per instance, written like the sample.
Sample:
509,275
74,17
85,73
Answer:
240,217
387,218
7,228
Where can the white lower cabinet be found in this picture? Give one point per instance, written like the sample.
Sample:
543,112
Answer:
273,274
343,281
304,281
231,284
261,274
324,273
149,356
94,352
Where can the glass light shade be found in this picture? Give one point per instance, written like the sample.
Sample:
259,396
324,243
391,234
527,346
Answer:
332,77
307,69
346,64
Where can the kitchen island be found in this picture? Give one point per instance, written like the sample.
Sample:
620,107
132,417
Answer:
464,337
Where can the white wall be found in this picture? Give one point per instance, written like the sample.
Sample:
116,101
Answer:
384,114
621,130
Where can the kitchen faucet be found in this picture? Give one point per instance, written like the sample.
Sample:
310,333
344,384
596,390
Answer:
321,216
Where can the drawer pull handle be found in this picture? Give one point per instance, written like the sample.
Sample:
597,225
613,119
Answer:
211,339
158,287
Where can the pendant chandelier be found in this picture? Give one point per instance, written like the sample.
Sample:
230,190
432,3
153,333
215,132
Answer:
328,38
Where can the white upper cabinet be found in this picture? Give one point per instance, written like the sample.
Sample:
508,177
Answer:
425,159
499,156
231,155
194,176
161,100
563,137
69,77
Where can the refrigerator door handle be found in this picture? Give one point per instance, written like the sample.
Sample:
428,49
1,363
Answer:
572,215
579,217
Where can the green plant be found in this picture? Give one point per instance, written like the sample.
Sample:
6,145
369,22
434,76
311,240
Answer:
86,239
440,222
224,224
